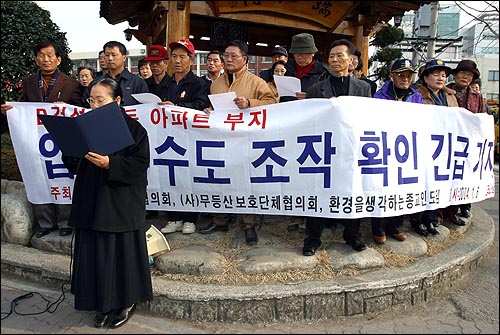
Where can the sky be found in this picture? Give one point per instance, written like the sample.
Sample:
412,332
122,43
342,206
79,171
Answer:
87,32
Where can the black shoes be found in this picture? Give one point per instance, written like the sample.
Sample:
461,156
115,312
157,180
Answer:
357,245
212,228
65,231
420,229
309,251
431,227
43,231
466,214
101,319
121,316
458,222
251,236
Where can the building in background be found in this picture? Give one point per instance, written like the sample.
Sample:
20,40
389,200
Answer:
455,41
417,28
482,45
91,59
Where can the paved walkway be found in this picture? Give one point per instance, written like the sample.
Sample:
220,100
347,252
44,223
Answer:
471,309
66,320
366,293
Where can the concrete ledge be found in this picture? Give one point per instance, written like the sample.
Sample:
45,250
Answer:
368,293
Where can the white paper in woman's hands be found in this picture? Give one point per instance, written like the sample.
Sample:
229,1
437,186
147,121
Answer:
146,98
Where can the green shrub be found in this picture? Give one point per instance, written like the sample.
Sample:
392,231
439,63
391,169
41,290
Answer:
9,169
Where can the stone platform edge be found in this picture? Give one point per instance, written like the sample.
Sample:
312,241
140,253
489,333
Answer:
369,293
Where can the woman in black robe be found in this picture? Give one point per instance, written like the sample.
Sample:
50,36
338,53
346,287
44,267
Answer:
111,268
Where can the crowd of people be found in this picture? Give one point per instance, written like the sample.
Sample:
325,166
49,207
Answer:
113,285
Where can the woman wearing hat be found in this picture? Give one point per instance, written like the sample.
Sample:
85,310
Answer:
434,92
433,89
465,72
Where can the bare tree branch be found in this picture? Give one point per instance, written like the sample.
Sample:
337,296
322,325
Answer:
479,18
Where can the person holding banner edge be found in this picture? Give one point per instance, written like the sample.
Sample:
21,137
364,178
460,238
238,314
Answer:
470,99
111,266
50,85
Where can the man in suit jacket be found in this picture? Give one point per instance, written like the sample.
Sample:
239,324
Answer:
338,83
50,85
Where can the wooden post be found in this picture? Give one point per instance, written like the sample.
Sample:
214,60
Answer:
178,20
361,43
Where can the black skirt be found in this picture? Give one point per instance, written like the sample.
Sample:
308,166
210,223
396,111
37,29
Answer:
110,270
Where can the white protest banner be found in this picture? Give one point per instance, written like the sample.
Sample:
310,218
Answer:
347,157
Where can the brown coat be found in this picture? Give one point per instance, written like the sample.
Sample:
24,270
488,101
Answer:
245,84
451,100
65,89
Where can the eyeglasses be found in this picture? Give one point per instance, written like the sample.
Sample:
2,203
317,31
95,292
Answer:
465,74
233,56
404,76
98,102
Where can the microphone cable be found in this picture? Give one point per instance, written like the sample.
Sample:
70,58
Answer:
50,307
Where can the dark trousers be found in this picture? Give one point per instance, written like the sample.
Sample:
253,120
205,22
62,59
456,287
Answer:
52,216
424,217
465,207
389,225
315,226
184,216
450,213
245,220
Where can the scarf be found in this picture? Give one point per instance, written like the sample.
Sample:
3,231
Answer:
52,82
302,71
462,95
440,98
400,93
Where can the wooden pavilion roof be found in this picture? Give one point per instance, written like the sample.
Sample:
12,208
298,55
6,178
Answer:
264,22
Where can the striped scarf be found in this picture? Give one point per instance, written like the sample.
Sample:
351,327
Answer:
52,82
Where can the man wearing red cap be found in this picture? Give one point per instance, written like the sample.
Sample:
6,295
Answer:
158,61
187,90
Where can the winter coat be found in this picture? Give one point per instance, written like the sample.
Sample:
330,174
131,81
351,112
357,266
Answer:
451,100
65,89
474,100
245,84
113,199
129,84
323,89
387,93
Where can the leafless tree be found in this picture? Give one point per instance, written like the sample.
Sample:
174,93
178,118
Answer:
486,16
